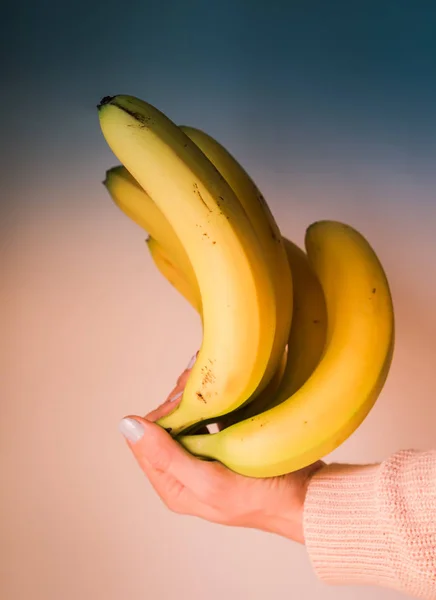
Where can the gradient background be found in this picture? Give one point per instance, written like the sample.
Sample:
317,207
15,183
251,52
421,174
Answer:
331,107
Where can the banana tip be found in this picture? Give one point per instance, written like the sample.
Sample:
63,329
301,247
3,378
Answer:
108,174
105,100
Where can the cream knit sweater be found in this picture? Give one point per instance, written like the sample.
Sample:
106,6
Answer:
375,524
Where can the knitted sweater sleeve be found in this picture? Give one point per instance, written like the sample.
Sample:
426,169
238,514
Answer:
375,524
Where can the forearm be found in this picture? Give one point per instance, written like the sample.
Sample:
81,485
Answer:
375,524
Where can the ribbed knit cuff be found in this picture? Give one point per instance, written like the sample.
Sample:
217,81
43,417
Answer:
344,535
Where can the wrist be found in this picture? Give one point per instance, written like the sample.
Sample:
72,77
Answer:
291,524
287,516
288,524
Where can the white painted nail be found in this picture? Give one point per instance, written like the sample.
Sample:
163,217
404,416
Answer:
176,397
191,362
213,428
132,429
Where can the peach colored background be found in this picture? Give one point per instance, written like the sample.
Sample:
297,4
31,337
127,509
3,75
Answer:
92,332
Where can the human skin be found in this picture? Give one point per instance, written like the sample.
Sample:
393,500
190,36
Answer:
190,486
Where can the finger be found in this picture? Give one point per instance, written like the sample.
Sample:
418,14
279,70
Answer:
184,376
152,446
171,491
177,497
168,406
214,427
175,396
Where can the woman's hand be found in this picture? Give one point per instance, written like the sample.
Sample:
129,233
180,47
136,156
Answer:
191,486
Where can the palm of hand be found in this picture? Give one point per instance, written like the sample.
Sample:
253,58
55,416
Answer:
190,486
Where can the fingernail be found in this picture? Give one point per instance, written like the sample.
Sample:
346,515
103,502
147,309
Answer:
192,362
176,397
132,429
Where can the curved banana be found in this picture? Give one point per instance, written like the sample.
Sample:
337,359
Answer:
172,262
260,402
338,395
269,236
238,303
134,201
172,273
309,325
306,338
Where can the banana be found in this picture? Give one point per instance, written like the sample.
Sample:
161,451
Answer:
309,325
172,273
306,338
136,204
342,389
134,201
237,295
269,236
260,402
168,253
126,193
307,331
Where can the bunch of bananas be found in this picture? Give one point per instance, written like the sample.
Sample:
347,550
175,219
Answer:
296,344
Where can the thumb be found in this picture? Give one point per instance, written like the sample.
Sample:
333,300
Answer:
155,449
